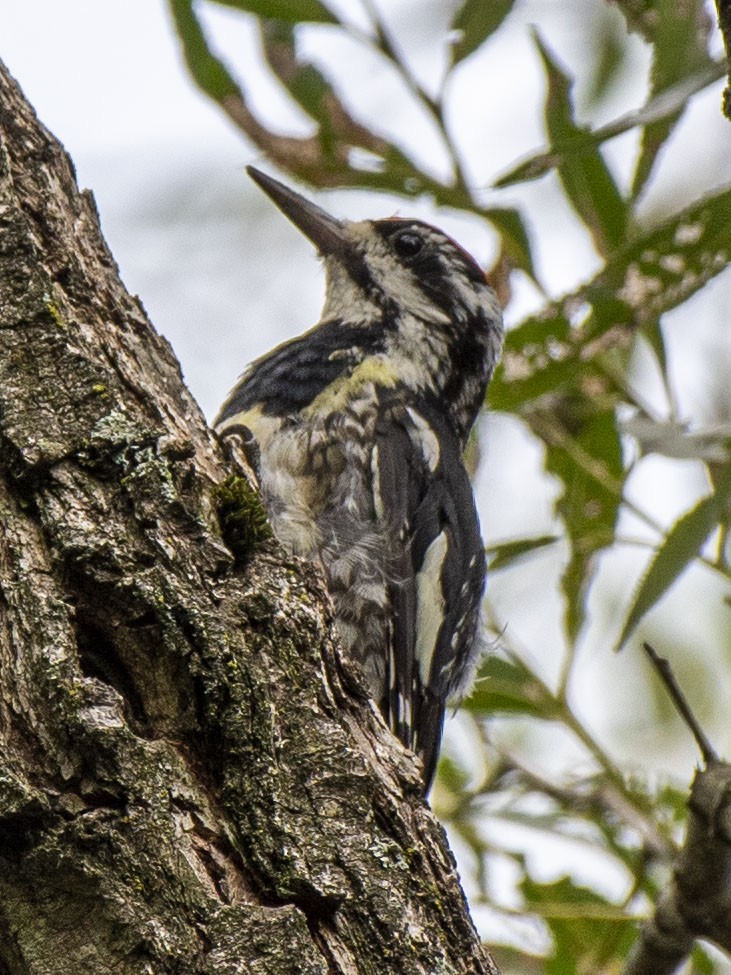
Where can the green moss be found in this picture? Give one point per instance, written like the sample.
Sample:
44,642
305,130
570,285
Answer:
242,516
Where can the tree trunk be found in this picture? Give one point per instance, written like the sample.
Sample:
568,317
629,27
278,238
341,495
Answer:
190,778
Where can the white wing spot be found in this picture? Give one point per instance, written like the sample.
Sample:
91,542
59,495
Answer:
376,475
430,604
427,440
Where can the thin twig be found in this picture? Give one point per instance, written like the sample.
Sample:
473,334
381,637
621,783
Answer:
680,701
385,44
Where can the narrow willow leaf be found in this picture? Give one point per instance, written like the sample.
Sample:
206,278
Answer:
680,49
507,553
514,238
681,546
657,271
475,21
664,105
538,358
608,54
662,267
292,11
653,334
589,932
208,71
701,963
640,17
520,380
303,81
586,178
508,686
583,450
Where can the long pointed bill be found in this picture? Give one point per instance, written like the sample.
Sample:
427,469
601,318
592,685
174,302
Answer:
325,232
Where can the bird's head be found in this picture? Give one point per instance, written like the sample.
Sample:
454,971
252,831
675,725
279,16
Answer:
441,321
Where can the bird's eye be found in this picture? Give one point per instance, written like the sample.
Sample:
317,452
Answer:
407,244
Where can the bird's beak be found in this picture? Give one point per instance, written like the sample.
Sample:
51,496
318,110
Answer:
325,232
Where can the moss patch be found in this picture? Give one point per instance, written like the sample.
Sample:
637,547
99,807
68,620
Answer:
242,516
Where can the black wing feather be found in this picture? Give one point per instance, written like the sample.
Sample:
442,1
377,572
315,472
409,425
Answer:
428,499
398,471
288,378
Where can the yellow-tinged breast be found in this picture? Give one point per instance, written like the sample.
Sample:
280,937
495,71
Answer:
335,398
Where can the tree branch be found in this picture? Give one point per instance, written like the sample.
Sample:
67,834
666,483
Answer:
696,903
724,22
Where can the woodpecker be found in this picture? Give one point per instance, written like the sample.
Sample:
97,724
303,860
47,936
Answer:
360,425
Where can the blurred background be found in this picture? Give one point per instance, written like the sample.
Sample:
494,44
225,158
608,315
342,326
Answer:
224,277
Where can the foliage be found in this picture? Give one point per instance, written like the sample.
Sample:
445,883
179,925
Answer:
574,376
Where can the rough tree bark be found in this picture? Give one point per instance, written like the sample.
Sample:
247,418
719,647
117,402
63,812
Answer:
190,779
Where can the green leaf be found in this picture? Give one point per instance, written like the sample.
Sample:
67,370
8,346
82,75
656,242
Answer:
608,53
207,70
658,107
292,11
338,132
662,267
670,803
701,961
585,176
475,21
681,546
514,238
679,41
590,933
303,81
659,270
653,334
452,777
654,137
508,686
504,554
640,16
584,452
552,372
538,358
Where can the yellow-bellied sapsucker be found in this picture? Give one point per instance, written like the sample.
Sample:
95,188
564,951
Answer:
360,424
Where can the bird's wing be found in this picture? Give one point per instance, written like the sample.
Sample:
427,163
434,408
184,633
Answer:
287,379
438,571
